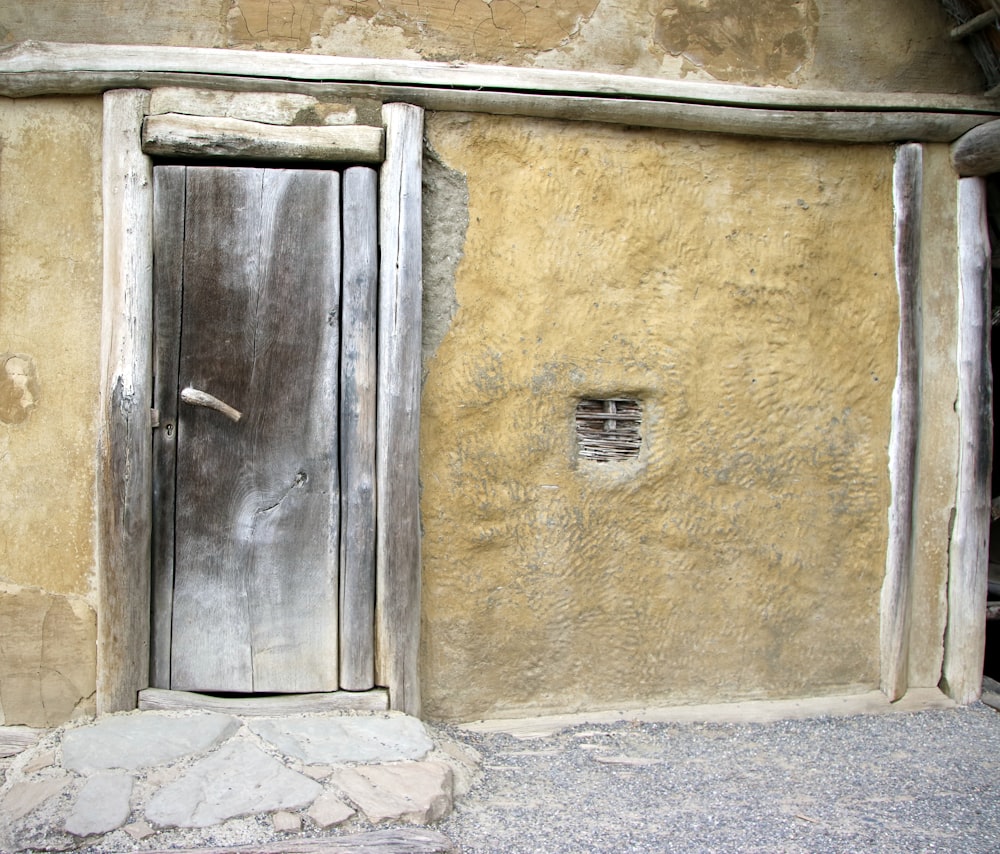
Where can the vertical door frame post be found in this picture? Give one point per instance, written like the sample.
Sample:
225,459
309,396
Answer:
124,479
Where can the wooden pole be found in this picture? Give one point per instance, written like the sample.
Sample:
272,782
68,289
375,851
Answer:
124,489
358,406
977,152
895,602
968,557
46,68
399,353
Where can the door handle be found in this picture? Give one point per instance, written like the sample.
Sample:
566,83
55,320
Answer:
196,397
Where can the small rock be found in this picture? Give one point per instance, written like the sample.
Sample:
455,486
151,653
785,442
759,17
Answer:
44,759
139,829
416,792
102,804
287,822
329,810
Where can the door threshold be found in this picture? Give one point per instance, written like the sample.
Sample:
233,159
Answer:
160,699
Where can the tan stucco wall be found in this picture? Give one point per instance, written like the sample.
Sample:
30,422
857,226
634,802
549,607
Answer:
744,292
50,289
850,44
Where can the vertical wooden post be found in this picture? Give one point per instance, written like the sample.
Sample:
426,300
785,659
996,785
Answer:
358,403
399,367
968,557
124,463
895,601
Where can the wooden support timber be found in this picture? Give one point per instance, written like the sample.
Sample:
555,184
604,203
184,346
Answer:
45,68
124,483
397,468
895,604
968,556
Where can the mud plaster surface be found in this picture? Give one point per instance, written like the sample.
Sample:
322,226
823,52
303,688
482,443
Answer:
50,290
744,293
851,44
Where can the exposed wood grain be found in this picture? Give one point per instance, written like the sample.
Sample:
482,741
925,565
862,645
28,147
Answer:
376,700
974,25
16,739
33,57
45,68
399,325
257,502
125,465
174,135
969,553
358,378
978,151
895,602
395,841
168,254
273,108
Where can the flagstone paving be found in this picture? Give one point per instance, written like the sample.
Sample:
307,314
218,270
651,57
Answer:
153,780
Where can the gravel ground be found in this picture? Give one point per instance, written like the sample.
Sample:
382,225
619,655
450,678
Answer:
925,781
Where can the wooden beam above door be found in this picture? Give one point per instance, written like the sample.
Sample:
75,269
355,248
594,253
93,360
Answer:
175,135
34,68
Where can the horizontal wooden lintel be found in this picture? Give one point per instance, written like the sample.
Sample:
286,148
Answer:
173,135
36,68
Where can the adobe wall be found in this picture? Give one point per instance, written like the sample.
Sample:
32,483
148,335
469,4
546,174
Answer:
741,289
744,293
50,309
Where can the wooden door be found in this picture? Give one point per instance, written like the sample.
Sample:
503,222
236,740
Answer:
247,548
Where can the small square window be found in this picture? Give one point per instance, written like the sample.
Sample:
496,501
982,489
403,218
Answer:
608,430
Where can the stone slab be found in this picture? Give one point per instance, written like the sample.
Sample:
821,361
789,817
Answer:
346,740
102,805
415,792
22,798
328,810
140,740
238,779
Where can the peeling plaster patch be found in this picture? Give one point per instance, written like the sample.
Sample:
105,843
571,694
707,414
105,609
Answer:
18,387
48,667
769,41
446,221
436,29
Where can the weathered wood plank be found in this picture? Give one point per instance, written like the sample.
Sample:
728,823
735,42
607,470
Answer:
977,152
895,601
969,553
16,739
376,700
168,254
37,69
124,486
174,135
272,108
34,57
395,841
399,325
257,550
358,401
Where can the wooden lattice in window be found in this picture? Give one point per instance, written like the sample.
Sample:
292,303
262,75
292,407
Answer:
608,430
